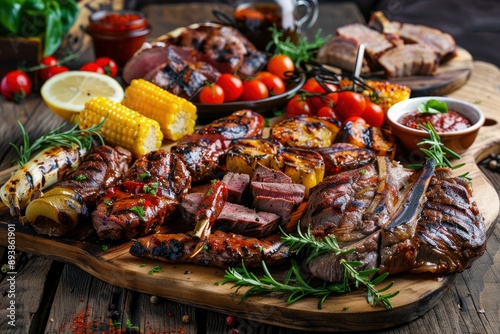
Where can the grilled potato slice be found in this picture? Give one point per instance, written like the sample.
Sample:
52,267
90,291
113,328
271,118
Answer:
305,131
244,154
304,166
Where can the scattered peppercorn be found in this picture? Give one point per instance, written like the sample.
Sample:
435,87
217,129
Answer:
492,162
185,319
154,299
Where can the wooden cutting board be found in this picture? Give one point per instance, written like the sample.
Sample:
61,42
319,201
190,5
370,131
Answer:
196,285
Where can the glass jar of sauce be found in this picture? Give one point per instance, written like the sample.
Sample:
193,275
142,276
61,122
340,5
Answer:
117,34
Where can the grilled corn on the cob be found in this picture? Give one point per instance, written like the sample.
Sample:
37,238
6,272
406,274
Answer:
123,126
176,115
388,93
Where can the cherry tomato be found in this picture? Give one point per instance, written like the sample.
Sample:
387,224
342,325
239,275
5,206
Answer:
274,83
254,90
373,114
322,100
328,112
350,104
56,70
15,86
109,65
93,67
313,86
280,65
211,94
49,63
231,85
297,106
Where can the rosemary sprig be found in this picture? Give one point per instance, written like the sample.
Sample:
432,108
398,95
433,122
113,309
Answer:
297,287
300,52
436,150
82,138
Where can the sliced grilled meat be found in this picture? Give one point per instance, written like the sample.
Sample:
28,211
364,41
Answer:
223,249
237,184
269,175
408,60
447,235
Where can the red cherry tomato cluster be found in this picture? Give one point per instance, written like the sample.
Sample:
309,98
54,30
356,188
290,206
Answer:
102,65
229,87
315,100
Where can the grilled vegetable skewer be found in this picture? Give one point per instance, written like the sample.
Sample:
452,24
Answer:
42,171
208,210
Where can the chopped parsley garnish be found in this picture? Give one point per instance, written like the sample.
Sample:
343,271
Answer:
150,188
138,210
81,177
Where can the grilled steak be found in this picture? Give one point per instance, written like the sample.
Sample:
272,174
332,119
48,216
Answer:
237,184
409,60
269,175
446,236
233,218
291,191
146,197
223,249
396,220
341,157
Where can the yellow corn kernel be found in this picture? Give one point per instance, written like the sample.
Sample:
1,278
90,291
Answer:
123,126
176,115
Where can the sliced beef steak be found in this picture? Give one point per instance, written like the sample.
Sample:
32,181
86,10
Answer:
237,184
269,175
409,60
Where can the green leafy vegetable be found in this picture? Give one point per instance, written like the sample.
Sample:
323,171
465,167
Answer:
300,52
296,287
433,106
49,20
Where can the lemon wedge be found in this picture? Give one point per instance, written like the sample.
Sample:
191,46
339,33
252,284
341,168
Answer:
66,93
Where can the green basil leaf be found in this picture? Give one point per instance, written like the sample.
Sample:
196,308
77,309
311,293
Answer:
433,106
69,13
32,20
54,29
9,17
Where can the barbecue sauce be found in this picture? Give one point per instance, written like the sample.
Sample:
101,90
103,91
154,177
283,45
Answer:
447,122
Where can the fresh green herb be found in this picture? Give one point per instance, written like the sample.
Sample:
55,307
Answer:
81,177
300,52
48,19
210,192
145,175
363,171
74,136
154,270
296,287
116,324
107,202
142,265
105,248
130,327
150,188
436,150
433,106
138,210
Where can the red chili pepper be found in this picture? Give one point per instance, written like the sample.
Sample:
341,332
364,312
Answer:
209,209
133,187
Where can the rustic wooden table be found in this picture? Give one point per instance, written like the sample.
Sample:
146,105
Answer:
54,297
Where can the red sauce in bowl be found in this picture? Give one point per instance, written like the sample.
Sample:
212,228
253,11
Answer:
449,122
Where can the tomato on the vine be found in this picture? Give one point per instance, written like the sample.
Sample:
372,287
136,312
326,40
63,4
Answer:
15,86
108,64
312,85
281,65
93,67
373,114
254,89
231,85
350,104
274,84
298,105
211,94
49,63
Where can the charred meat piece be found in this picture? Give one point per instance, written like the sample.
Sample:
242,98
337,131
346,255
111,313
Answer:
449,232
146,197
269,175
341,52
122,216
162,170
223,250
240,124
282,207
340,157
233,218
71,200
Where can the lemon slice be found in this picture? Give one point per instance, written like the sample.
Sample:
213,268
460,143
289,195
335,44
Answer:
66,93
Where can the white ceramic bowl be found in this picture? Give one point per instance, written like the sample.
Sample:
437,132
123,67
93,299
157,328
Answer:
458,141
